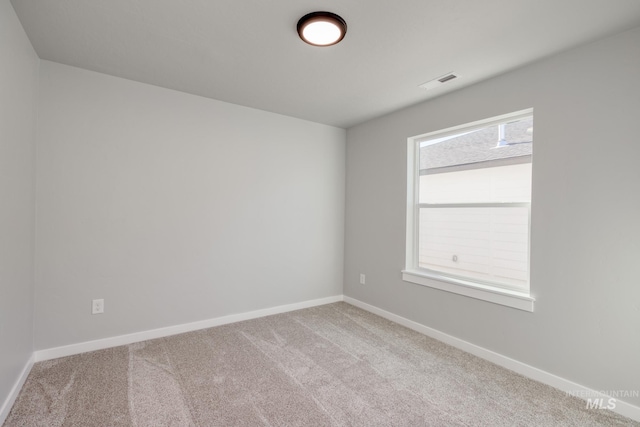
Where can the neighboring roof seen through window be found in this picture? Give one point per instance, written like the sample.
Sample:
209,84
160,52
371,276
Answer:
479,146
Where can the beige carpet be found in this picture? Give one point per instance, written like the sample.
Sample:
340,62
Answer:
334,365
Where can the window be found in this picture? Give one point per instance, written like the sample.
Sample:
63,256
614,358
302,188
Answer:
469,209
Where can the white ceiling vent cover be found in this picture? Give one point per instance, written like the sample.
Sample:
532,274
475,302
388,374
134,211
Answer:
439,81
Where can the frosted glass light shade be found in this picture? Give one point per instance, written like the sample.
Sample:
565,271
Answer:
322,28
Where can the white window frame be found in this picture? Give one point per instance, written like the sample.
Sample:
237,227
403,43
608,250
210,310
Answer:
519,299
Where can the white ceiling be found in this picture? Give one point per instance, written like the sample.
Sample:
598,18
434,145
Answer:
247,52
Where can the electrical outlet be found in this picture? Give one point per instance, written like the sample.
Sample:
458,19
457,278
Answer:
362,279
97,306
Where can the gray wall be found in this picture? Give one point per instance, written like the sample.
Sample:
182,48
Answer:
18,87
176,208
585,242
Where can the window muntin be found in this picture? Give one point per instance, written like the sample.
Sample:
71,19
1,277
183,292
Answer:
470,203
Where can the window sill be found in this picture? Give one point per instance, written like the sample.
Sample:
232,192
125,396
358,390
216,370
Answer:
514,299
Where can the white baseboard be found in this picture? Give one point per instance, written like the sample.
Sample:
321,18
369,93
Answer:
13,395
621,407
83,347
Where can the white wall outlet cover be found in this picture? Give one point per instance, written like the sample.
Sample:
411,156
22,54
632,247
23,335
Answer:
97,306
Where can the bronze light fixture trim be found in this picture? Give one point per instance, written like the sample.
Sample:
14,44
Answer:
322,28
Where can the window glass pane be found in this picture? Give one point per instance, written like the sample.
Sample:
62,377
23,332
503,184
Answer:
486,244
492,164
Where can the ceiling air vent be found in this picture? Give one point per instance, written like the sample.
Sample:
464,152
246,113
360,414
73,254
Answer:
431,84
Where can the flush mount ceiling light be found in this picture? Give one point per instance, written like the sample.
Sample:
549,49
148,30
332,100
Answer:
322,28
